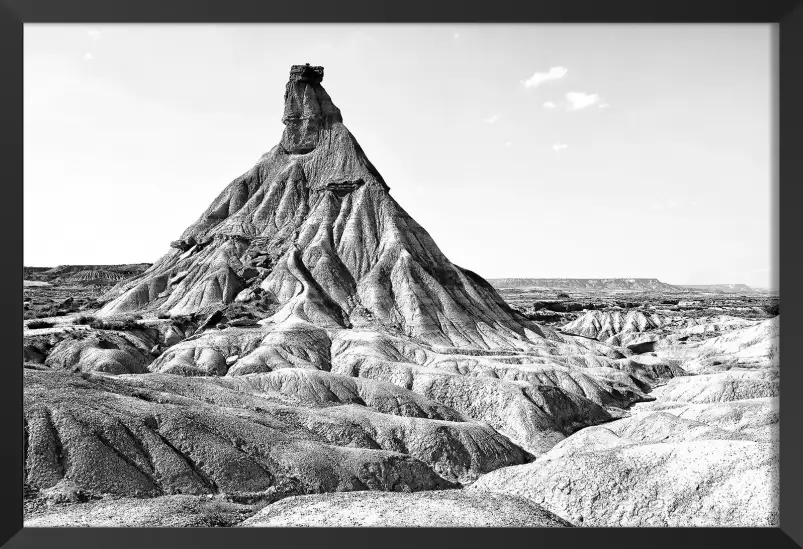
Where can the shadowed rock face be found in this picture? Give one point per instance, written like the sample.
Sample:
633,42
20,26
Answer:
307,109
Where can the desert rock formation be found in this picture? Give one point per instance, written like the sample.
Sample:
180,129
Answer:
306,336
313,229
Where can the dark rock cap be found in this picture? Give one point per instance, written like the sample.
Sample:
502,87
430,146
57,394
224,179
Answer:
306,73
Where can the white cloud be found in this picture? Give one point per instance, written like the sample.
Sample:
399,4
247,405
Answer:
555,73
508,143
93,34
604,105
580,100
549,105
492,119
557,147
456,35
89,57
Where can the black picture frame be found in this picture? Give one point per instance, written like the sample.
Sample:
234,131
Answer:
788,14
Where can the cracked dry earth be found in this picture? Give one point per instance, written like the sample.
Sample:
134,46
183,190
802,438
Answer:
306,355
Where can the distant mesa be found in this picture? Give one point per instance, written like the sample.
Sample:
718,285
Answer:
724,288
589,284
83,273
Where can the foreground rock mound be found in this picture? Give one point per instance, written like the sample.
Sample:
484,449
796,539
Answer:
161,434
617,482
178,511
102,351
703,453
444,508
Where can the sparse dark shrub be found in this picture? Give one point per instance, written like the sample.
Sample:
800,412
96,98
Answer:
543,316
163,315
72,333
239,309
563,295
36,324
84,319
182,319
120,324
184,322
220,513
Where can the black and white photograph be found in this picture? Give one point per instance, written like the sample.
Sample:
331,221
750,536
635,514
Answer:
400,275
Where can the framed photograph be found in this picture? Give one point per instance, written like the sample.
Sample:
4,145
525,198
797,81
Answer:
444,275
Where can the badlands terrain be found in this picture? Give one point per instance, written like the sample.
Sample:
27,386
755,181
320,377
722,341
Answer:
305,355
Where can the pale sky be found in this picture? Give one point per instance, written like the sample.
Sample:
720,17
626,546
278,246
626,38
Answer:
577,151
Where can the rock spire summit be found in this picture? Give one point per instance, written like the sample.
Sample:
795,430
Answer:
308,109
